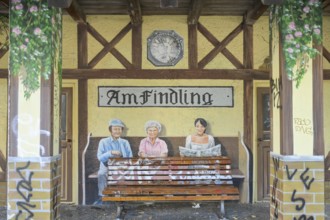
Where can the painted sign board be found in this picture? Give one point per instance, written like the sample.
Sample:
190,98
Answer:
134,96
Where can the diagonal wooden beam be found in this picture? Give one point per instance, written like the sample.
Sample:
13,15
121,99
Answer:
325,4
110,45
134,11
3,162
5,10
4,3
76,12
3,52
213,40
326,54
210,56
254,14
195,11
113,51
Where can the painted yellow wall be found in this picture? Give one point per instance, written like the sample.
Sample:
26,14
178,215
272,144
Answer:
176,121
302,115
69,43
275,129
326,113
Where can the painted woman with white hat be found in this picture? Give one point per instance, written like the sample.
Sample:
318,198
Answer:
152,146
110,147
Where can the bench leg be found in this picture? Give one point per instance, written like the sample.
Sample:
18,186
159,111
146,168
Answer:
222,207
120,207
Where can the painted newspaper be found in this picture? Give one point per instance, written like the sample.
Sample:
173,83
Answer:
210,152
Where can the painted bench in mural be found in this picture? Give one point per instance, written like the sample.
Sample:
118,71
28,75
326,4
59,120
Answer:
232,147
170,179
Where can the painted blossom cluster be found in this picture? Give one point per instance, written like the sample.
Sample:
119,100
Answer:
300,27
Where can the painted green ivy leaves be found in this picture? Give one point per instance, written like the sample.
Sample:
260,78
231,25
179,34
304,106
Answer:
300,25
35,41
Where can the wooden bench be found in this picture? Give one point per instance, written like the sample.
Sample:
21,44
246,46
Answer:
170,179
231,147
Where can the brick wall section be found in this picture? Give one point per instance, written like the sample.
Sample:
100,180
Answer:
34,188
327,192
297,187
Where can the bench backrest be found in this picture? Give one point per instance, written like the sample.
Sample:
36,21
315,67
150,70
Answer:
229,148
170,171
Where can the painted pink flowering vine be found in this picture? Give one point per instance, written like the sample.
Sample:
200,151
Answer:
300,25
35,40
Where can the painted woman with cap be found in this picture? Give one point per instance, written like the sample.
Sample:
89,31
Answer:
110,147
152,146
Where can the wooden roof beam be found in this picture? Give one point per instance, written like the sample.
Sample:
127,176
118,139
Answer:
5,3
195,11
59,3
75,11
326,4
326,54
134,11
255,13
5,10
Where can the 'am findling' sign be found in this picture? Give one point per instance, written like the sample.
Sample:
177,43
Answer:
115,96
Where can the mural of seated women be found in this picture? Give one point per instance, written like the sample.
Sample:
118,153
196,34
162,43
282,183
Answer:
152,146
200,143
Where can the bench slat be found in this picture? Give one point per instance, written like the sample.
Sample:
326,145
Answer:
170,167
166,182
171,190
167,161
171,177
167,172
171,198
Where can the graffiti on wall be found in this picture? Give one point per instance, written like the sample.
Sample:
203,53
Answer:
299,201
31,126
274,200
276,87
303,125
56,188
25,184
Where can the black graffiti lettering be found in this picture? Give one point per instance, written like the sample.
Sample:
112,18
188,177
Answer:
302,200
304,217
275,86
25,184
290,176
274,190
56,188
276,210
24,205
305,179
276,165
